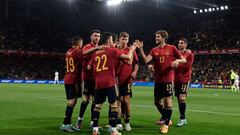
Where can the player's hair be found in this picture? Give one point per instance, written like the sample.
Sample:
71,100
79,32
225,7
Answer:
76,39
106,36
123,34
163,33
95,31
184,40
115,37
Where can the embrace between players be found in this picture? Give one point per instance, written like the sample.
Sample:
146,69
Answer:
107,69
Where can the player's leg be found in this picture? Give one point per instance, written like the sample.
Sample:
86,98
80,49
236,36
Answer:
112,99
168,91
119,122
127,104
84,104
237,86
120,113
57,80
232,85
100,97
72,100
181,93
91,87
158,102
121,109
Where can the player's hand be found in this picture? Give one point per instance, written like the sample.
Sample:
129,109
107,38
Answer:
141,45
175,64
137,43
134,75
150,67
101,47
89,67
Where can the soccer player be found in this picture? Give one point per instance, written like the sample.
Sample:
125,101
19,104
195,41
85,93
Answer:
104,63
56,77
182,79
237,82
88,79
72,81
232,78
165,58
127,70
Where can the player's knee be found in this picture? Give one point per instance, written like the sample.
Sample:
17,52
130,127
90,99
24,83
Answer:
114,107
168,107
85,102
126,100
98,107
72,102
182,100
86,99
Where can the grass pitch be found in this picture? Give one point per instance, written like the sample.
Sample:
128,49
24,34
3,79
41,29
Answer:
27,109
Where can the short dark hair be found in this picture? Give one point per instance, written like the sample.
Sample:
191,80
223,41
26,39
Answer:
95,31
184,40
123,34
76,39
163,33
105,37
115,37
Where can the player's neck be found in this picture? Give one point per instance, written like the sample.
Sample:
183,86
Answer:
124,46
183,50
161,45
95,44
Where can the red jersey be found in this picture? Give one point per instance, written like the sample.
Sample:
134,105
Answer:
184,71
125,69
103,64
73,66
162,60
87,74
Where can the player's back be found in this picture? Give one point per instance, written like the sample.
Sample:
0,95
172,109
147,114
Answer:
87,74
73,65
104,64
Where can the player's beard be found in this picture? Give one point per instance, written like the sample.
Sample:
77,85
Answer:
158,42
95,42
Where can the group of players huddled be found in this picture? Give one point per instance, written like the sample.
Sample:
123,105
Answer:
106,67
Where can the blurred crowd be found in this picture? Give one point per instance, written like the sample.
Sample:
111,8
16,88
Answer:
204,35
28,68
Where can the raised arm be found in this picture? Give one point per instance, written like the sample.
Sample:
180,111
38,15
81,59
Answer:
130,54
147,58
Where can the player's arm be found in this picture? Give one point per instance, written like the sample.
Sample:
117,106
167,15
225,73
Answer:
130,54
189,62
89,66
177,61
177,55
135,70
147,58
89,51
135,66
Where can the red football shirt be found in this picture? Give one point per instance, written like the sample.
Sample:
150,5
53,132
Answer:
125,69
184,71
73,59
103,64
162,60
87,74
